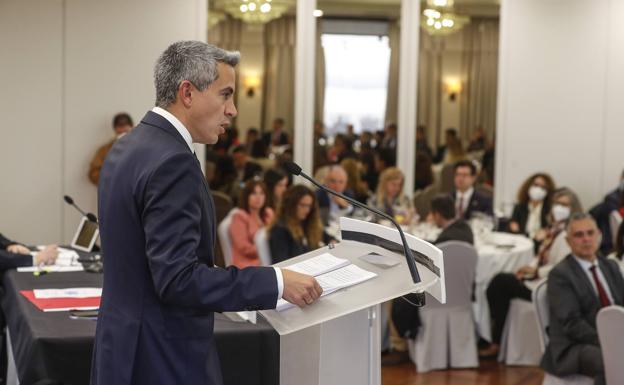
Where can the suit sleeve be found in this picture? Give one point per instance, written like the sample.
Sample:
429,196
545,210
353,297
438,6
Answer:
564,305
13,261
171,216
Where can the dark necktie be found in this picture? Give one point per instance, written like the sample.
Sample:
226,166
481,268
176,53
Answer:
460,206
602,293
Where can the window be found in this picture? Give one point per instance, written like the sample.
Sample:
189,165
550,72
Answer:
356,80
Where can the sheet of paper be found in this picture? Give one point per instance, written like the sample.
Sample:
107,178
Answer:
72,292
318,265
50,269
380,260
335,280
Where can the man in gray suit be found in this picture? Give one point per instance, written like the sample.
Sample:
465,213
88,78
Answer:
578,287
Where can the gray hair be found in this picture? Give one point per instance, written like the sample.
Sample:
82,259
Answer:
579,216
190,60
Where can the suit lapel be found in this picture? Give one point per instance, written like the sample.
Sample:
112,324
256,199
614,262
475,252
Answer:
607,272
582,277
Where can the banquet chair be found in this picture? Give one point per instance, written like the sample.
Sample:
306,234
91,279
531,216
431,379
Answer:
610,324
540,301
261,241
223,232
447,337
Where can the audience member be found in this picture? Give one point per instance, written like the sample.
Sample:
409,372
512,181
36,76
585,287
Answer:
122,124
383,159
297,228
14,255
506,286
332,207
530,214
478,141
468,200
443,215
355,184
389,196
277,136
251,137
422,144
224,179
245,169
251,215
449,135
276,183
342,149
601,213
578,287
423,171
454,151
390,137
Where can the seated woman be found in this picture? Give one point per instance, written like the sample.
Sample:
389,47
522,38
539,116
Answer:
389,197
530,215
297,228
14,255
276,183
506,286
354,179
251,215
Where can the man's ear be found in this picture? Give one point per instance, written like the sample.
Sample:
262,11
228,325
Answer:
185,93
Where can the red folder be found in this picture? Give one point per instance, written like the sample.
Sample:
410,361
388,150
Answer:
62,304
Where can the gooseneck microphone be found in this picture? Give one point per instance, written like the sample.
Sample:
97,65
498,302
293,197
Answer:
70,201
295,169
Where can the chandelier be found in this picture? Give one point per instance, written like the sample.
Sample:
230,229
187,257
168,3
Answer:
255,11
438,18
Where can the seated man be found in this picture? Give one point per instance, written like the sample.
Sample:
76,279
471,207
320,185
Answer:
122,124
443,215
467,200
331,207
14,255
578,287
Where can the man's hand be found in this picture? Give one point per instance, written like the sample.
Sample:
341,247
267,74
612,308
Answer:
300,289
47,256
18,249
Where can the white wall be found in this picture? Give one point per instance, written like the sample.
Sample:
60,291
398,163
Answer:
83,61
560,95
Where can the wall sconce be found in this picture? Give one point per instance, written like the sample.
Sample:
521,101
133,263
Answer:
453,88
251,84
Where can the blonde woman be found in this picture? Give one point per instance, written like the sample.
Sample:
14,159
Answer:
389,196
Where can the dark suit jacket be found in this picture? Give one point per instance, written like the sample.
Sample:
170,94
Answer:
456,231
573,305
478,203
521,215
12,260
157,227
267,138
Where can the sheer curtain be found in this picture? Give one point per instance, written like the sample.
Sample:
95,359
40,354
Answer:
430,85
394,42
479,75
279,76
319,82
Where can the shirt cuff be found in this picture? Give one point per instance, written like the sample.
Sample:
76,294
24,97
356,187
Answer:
280,282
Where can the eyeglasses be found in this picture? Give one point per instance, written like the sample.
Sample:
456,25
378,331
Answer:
304,205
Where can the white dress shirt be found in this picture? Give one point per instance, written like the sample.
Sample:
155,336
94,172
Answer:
534,221
189,140
465,199
585,265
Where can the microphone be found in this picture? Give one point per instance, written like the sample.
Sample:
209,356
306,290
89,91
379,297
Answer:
294,169
70,201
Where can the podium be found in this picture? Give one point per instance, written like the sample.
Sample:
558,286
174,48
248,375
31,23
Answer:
336,340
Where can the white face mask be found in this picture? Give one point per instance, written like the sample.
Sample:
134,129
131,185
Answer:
537,193
560,212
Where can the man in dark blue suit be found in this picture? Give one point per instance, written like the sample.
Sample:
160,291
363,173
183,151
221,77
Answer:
468,200
157,227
